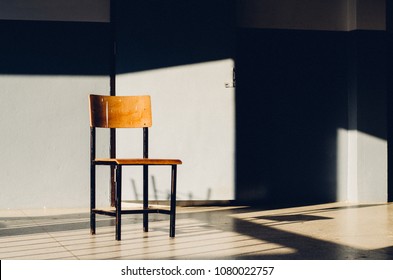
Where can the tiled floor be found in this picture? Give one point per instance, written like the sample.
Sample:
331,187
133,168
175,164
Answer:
327,231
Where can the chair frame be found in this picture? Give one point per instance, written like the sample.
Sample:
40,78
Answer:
118,165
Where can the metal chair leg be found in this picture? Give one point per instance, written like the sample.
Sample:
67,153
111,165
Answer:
145,198
173,202
92,180
118,202
92,199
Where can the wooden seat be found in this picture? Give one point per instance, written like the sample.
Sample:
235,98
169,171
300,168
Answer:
136,161
126,112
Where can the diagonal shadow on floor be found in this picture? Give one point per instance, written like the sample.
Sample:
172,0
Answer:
305,247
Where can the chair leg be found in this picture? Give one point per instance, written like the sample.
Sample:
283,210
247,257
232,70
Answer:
145,198
173,202
92,199
118,202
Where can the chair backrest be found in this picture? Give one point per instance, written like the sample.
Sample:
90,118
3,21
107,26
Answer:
120,111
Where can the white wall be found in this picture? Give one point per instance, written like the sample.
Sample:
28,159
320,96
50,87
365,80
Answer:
193,120
371,169
45,140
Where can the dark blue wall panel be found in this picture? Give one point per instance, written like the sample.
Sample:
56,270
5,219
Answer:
52,48
154,34
291,99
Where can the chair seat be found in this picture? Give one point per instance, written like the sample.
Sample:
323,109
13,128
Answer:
136,161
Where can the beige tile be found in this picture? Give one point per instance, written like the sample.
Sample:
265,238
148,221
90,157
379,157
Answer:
18,240
35,253
26,246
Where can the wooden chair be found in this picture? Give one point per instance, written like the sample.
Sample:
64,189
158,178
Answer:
126,112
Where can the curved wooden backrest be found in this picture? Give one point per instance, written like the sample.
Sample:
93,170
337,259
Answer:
120,111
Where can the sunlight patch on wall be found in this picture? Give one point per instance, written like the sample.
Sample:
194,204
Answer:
193,120
361,167
45,144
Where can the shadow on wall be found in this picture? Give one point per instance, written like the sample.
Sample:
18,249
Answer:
54,48
291,99
389,21
292,90
154,34
151,34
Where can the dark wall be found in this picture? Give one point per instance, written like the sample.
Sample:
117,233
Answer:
46,47
389,25
291,98
368,50
154,34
